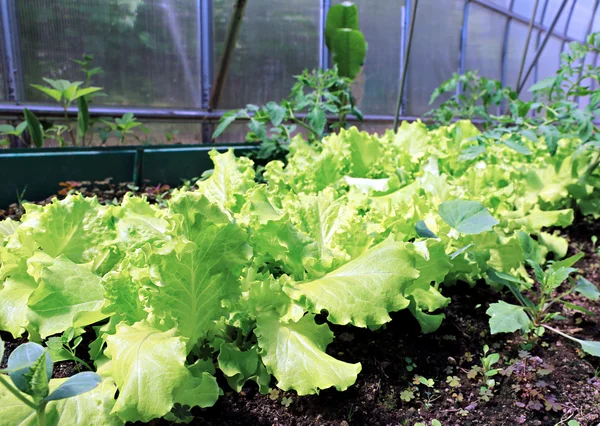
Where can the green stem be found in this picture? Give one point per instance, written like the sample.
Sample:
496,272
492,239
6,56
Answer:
306,126
41,414
557,299
73,140
560,333
593,165
82,362
18,394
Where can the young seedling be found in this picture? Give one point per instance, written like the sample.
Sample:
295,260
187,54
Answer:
8,130
486,371
29,368
533,317
66,92
121,128
528,383
64,348
410,364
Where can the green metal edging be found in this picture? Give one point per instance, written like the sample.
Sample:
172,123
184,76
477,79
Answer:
36,173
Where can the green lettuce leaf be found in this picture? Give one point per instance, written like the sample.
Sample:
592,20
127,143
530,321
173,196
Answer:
363,291
75,227
68,295
191,282
148,366
294,352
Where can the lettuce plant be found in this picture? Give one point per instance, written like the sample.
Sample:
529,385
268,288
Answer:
245,277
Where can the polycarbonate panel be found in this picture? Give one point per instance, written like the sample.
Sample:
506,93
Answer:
549,59
277,40
435,51
517,34
580,21
147,48
552,9
485,41
235,133
525,7
377,85
378,128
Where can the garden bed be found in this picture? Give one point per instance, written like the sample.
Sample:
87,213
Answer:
445,356
384,393
293,259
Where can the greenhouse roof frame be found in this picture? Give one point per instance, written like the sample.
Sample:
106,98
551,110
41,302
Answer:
14,79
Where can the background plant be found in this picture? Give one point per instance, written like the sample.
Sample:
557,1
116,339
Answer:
472,97
314,95
66,92
344,39
122,128
553,114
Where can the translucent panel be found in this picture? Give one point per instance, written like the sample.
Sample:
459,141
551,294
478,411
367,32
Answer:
525,7
147,48
435,51
580,21
381,23
277,40
517,34
551,9
485,42
596,22
170,133
549,59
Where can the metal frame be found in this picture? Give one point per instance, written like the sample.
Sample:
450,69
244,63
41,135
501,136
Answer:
540,49
412,15
463,39
503,70
173,114
10,47
567,25
528,39
206,55
324,6
206,58
538,39
11,50
520,18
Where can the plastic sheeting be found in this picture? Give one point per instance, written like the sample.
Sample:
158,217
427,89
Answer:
148,49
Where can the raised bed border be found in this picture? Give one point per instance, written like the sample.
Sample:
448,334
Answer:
36,173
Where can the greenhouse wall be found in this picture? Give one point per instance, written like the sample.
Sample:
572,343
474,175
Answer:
162,55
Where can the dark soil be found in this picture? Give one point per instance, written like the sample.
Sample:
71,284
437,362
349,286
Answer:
106,191
550,384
